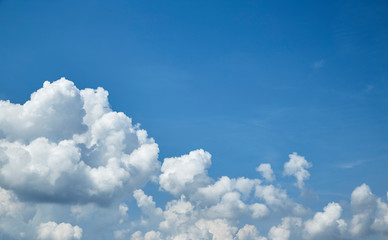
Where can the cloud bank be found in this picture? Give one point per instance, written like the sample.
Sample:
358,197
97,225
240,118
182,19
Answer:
72,168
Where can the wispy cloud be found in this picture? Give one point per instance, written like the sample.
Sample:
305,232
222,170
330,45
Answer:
318,64
352,164
369,88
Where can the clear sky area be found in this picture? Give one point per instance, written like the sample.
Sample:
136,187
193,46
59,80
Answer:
193,120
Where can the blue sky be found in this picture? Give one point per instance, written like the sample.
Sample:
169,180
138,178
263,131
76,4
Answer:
248,81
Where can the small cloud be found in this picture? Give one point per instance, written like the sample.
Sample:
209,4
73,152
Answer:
297,167
318,64
266,171
352,164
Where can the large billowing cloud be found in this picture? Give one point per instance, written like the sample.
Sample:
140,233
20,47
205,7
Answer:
67,145
72,168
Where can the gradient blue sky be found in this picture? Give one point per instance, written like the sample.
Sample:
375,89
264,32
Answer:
248,81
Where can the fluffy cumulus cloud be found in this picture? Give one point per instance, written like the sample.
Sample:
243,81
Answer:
13,216
66,145
297,166
363,204
62,231
183,173
72,168
249,232
380,223
266,171
68,137
326,224
278,199
283,230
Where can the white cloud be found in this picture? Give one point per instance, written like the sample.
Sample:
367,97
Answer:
123,211
188,219
67,137
266,171
249,232
283,230
121,234
352,164
297,167
363,204
62,231
54,112
278,199
230,206
177,215
259,210
326,224
146,203
14,215
137,236
226,198
212,193
152,235
181,174
380,223
219,229
9,205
